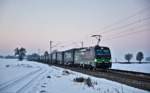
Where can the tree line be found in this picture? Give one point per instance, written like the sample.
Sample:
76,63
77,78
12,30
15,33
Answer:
21,53
139,57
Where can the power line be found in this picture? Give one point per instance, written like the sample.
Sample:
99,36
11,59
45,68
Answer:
130,29
124,20
127,18
126,34
127,25
110,29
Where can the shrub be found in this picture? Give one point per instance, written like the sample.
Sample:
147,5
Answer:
79,79
48,76
65,72
87,81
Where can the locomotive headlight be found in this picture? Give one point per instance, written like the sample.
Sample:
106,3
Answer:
95,60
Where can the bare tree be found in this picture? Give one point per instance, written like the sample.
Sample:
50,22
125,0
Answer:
139,56
20,52
128,57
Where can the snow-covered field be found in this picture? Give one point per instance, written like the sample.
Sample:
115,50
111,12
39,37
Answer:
132,67
32,77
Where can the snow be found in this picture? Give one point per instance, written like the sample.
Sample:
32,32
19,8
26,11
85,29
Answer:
33,77
132,67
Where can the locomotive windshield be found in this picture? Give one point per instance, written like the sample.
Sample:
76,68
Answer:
102,52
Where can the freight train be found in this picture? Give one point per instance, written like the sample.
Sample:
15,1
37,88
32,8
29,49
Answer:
87,57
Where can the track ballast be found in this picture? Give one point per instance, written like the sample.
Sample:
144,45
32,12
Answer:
135,79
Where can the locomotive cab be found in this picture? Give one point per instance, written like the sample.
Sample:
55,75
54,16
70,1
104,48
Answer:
102,57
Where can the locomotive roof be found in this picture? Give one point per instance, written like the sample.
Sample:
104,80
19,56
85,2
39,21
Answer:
83,48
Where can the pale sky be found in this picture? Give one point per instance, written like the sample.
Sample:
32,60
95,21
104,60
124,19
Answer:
123,24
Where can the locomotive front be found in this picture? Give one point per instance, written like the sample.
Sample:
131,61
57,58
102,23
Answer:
102,57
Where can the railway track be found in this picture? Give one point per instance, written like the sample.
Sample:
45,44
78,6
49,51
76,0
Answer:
145,77
130,78
134,79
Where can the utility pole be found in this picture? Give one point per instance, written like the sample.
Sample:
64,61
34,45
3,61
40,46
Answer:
50,51
98,37
50,47
82,44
